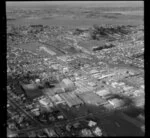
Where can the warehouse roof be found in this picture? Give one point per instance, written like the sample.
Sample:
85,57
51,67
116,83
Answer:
103,92
116,102
32,91
94,71
49,91
91,98
29,86
44,101
67,82
58,90
57,99
71,99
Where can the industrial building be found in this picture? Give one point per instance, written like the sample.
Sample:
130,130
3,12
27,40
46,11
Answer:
67,84
103,92
31,90
59,90
57,99
94,71
46,102
91,98
116,102
71,99
49,92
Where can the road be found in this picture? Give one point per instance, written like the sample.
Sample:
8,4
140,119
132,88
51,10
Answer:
61,51
23,111
58,124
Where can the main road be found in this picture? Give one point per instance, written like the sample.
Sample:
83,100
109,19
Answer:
23,111
58,124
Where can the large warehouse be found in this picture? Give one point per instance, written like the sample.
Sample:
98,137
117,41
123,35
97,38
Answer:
92,98
31,90
67,84
71,99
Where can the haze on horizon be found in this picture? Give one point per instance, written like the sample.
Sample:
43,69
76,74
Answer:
78,3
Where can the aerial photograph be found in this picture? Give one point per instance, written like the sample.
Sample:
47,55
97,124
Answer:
75,69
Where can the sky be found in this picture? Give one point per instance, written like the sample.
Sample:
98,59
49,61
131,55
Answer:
79,3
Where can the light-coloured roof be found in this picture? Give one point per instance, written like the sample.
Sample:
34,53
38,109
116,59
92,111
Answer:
67,81
71,99
29,86
94,71
44,101
91,98
91,123
102,92
98,131
58,97
49,91
116,102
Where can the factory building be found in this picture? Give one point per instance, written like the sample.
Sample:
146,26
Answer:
49,92
103,92
67,84
59,90
31,90
71,99
116,102
57,99
91,98
94,71
46,102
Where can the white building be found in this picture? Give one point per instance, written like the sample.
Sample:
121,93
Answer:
67,84
116,102
97,131
103,92
91,123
